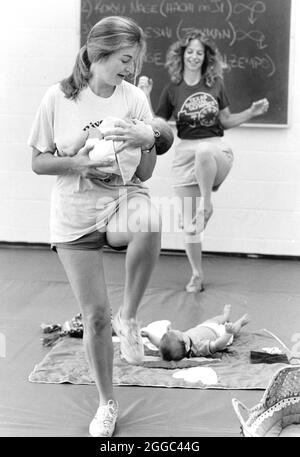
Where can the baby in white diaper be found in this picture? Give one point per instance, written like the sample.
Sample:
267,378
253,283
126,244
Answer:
126,162
213,335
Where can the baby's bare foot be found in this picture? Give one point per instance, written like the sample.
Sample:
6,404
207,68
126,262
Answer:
235,327
245,319
226,309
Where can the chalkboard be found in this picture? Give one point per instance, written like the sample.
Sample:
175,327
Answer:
252,36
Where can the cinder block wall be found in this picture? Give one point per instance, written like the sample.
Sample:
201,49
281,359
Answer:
257,209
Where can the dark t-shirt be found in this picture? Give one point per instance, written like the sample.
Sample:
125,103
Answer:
195,108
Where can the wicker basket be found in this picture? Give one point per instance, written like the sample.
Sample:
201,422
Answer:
278,412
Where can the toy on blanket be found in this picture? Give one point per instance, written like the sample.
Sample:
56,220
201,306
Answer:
275,354
268,355
72,328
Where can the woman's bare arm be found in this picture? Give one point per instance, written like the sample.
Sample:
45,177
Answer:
46,163
230,120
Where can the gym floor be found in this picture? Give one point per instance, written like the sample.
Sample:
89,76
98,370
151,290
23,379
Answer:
34,289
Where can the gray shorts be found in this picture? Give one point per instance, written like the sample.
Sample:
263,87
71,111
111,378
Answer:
92,241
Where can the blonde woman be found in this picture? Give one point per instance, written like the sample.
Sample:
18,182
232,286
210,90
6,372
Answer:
91,208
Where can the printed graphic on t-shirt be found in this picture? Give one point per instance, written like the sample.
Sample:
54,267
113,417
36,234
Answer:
199,108
92,125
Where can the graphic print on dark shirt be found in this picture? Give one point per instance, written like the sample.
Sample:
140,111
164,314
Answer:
200,108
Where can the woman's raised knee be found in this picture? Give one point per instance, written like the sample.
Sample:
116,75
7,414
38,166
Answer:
204,153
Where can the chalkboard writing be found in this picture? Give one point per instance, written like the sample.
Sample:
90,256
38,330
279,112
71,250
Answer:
253,38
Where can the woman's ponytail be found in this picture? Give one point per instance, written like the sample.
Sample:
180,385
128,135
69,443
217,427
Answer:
72,85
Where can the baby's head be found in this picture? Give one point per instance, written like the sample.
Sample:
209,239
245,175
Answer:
166,138
173,345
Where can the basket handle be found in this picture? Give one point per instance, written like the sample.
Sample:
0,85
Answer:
238,406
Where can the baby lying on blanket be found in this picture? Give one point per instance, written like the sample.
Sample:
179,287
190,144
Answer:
126,162
213,335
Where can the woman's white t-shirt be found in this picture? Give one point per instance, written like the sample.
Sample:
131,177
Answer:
61,126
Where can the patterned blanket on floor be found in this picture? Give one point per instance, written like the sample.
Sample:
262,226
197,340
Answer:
232,369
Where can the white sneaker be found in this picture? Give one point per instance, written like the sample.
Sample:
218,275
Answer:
131,342
103,424
195,285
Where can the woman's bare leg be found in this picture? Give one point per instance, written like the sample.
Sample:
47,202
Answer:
143,240
84,269
190,197
211,168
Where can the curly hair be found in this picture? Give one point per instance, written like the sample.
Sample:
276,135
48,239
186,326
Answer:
212,67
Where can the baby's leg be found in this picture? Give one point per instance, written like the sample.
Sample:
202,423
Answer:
222,318
235,327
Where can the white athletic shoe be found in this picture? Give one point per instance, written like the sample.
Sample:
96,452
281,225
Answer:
131,342
195,285
103,424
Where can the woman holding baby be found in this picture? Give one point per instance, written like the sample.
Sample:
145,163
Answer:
91,208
